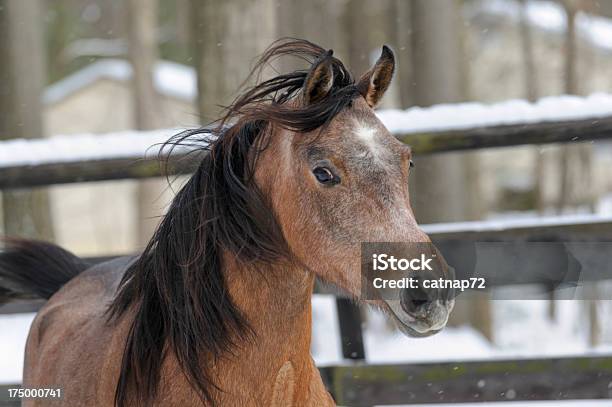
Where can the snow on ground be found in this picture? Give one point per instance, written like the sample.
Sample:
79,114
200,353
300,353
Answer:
386,345
13,335
326,348
414,120
522,330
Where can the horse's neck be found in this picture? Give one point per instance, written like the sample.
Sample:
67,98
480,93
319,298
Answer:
277,304
275,366
276,300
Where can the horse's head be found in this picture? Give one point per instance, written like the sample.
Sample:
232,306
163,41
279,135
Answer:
345,181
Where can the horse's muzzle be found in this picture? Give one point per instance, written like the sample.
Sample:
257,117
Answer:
424,310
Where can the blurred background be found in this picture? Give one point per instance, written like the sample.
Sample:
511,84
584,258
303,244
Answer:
74,67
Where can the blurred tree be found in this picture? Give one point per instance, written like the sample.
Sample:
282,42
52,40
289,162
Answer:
141,26
367,28
603,8
404,79
173,33
444,187
532,94
318,21
227,36
368,25
22,78
60,27
182,22
575,163
530,76
142,50
527,46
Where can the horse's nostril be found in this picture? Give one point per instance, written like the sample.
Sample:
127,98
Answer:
418,303
414,300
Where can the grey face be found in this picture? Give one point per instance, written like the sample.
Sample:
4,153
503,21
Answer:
351,180
369,177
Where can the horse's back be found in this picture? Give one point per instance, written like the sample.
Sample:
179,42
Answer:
70,344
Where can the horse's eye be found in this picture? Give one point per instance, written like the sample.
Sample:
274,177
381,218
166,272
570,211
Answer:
411,164
325,176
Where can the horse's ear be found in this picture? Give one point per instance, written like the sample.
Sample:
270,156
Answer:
319,80
374,83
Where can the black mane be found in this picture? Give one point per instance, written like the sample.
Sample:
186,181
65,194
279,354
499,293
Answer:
176,288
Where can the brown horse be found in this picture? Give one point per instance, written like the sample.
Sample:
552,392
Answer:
217,310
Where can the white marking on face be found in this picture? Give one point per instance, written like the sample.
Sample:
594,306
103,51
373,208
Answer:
367,135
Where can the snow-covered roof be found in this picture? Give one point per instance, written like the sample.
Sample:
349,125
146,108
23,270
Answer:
549,16
169,78
414,120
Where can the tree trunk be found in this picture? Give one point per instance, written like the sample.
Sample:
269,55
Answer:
228,35
592,308
358,29
570,89
532,94
182,23
22,77
142,46
584,159
575,163
316,21
444,187
529,67
440,187
403,51
575,160
143,54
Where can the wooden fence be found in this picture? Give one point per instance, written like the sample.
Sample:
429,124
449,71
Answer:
361,384
25,176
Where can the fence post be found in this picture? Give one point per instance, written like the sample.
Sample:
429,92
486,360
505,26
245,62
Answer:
351,336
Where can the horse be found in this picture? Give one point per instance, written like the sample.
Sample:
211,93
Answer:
216,310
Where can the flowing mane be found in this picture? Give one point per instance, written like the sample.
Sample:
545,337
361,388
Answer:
176,291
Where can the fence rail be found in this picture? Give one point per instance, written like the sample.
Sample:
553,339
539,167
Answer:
569,378
138,166
364,385
592,229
